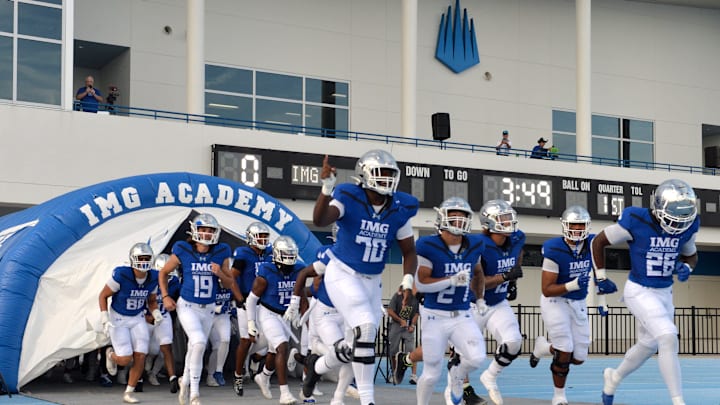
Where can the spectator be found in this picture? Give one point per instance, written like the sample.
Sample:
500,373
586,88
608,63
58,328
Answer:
539,151
404,317
554,152
503,147
89,96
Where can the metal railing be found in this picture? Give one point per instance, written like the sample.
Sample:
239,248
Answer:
388,139
698,331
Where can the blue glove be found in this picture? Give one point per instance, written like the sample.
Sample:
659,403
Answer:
606,286
602,306
683,270
583,280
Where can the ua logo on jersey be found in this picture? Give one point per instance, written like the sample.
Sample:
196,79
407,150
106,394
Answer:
661,244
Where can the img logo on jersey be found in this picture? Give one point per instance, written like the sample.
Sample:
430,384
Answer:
504,264
454,268
664,244
139,293
579,267
374,229
201,267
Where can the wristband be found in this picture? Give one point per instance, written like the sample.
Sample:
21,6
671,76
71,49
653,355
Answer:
165,296
573,285
600,274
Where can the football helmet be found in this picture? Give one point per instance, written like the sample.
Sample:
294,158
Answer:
575,215
673,204
378,171
258,235
455,224
141,257
497,216
284,251
161,260
204,237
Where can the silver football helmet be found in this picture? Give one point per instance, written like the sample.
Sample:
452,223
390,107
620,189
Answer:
456,224
673,204
160,262
285,251
378,171
575,215
497,216
141,257
204,237
258,235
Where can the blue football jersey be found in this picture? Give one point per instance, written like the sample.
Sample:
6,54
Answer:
321,293
653,252
173,291
571,264
199,284
446,263
280,287
364,238
222,299
130,299
500,259
247,262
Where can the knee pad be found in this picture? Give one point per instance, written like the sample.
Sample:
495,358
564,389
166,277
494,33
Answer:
364,344
343,352
507,352
560,365
668,344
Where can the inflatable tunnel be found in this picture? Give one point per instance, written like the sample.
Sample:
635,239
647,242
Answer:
56,257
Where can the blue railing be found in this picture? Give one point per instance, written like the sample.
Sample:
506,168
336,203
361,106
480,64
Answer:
390,139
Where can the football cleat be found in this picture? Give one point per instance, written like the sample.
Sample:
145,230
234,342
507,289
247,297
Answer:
455,380
184,394
238,385
210,381
129,398
291,362
491,386
312,377
287,398
220,378
400,366
153,380
263,381
471,398
109,363
174,386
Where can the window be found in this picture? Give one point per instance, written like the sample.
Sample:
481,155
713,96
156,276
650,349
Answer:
615,141
276,102
35,74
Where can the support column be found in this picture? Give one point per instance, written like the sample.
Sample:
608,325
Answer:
583,117
409,69
195,83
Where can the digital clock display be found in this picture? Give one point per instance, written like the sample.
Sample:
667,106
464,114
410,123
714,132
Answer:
520,192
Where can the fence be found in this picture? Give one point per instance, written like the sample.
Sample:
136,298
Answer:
698,330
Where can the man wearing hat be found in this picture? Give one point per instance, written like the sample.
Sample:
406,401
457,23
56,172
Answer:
503,147
539,151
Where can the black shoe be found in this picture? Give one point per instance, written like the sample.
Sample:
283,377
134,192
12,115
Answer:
174,386
139,386
400,366
471,398
312,377
534,360
238,385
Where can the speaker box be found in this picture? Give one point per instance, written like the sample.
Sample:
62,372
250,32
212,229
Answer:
712,156
441,126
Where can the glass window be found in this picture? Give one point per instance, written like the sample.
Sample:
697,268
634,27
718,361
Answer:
328,118
640,130
232,107
279,113
279,86
640,152
326,92
607,150
566,144
6,62
605,126
38,72
39,21
58,2
563,121
6,16
228,79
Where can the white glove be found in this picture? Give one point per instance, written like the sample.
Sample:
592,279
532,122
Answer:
292,313
105,321
252,329
481,307
328,185
157,315
460,279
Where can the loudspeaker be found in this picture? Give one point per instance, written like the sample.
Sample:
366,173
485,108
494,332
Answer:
712,156
441,126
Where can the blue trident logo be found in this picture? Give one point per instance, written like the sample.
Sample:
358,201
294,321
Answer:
456,45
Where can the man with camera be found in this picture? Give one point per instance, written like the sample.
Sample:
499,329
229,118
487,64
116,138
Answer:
89,96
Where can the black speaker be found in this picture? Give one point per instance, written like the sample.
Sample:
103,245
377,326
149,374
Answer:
441,126
712,156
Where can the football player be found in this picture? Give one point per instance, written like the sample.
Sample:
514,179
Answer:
161,336
662,242
370,214
219,339
205,264
565,277
246,260
273,288
124,321
449,266
501,264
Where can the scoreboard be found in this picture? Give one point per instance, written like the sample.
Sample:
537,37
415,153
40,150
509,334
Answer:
296,175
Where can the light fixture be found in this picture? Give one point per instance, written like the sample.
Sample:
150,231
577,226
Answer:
228,106
278,122
339,95
294,114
